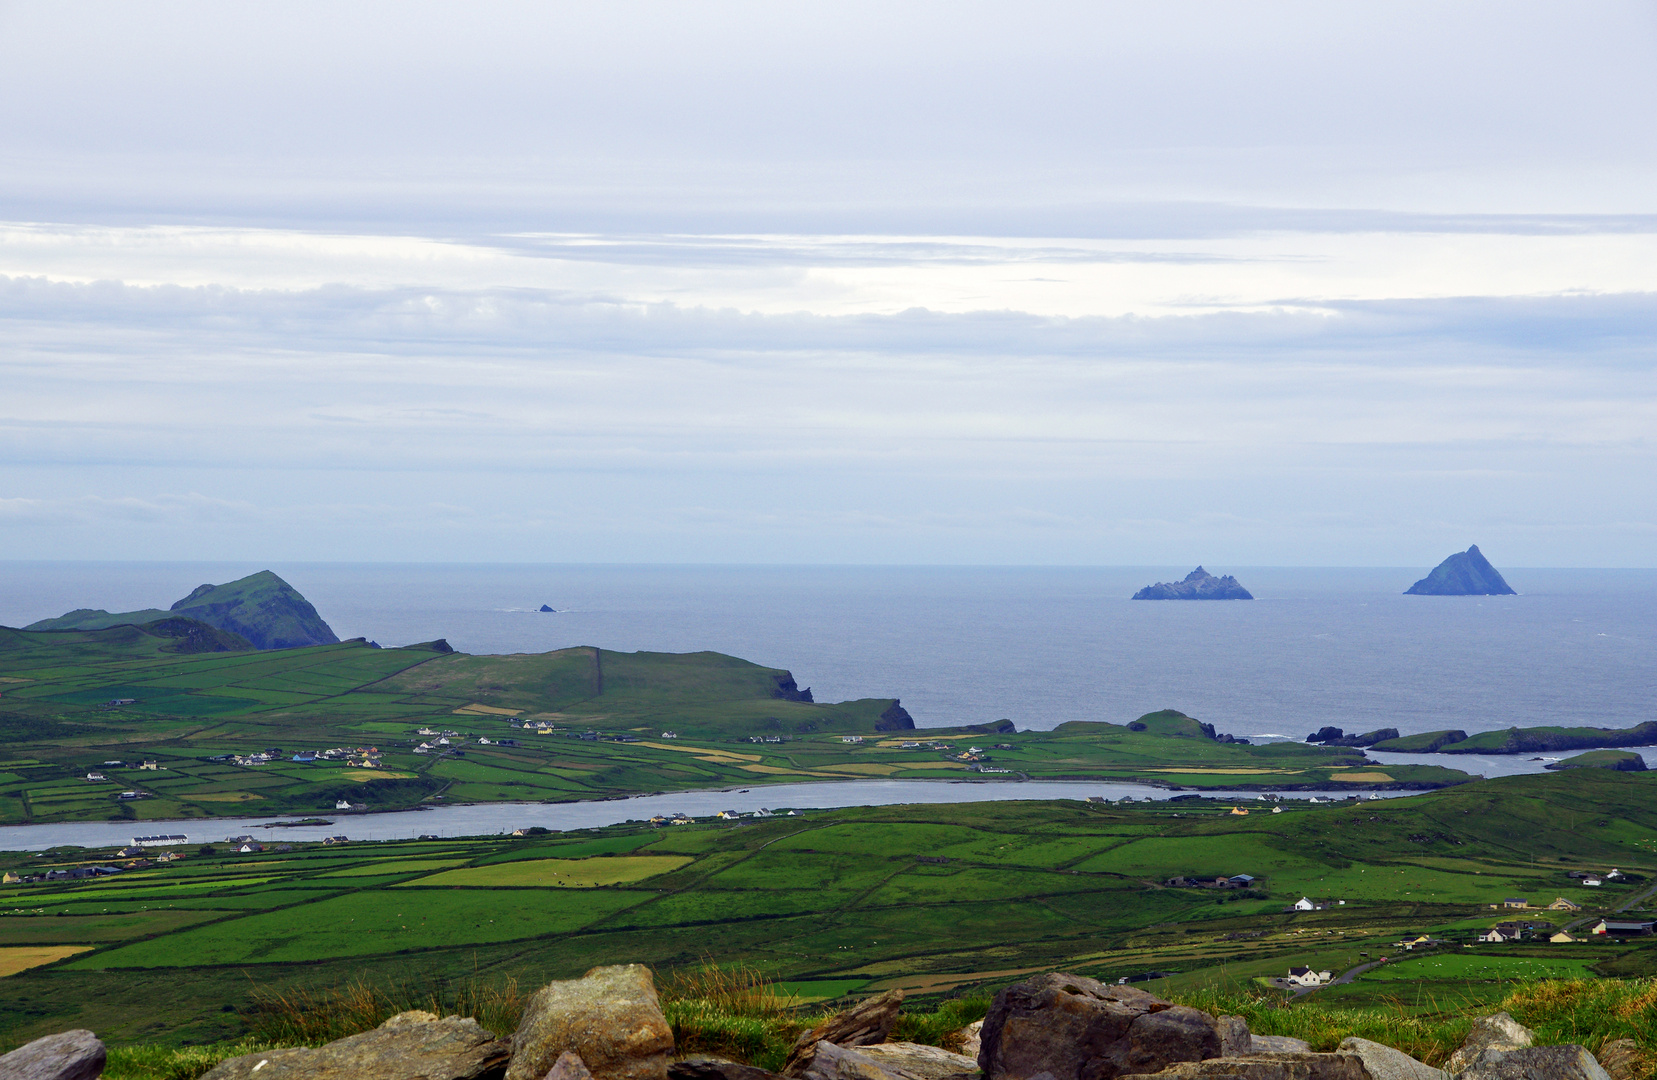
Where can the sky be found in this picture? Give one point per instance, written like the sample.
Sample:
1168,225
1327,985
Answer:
1064,283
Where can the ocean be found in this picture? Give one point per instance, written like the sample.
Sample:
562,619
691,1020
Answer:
1038,646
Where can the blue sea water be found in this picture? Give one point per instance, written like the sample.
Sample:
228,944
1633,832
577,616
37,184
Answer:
1039,646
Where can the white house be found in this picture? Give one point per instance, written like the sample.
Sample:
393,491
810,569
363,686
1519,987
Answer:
1305,904
1305,976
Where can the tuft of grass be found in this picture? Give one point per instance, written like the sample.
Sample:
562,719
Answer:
734,1011
1591,1012
308,1017
150,1062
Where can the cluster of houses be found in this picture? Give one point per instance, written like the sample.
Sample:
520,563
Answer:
751,738
1235,881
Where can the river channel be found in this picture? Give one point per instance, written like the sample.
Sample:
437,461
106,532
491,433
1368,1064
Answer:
486,819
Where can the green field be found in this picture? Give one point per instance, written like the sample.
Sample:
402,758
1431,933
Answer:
936,899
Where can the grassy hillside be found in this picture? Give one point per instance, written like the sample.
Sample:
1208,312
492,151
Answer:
945,899
570,724
261,608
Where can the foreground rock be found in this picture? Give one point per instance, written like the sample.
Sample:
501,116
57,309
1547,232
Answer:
68,1055
1199,584
707,1067
1284,1066
970,1039
1568,1062
1496,1031
1277,1044
409,1046
610,1017
1383,1062
919,1061
866,1023
1621,1059
1075,1028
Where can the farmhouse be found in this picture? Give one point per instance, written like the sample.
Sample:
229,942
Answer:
1592,882
1304,904
1516,902
1305,976
1562,904
1561,938
160,841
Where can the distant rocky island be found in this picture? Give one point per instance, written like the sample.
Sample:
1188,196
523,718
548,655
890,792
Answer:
261,608
1466,573
1199,584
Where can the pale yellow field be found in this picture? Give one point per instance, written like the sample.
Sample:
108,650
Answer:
1361,778
475,708
558,873
23,957
404,867
778,770
869,769
362,776
710,754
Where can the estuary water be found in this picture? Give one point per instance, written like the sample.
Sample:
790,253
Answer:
496,818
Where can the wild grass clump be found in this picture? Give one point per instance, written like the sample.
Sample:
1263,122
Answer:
310,1017
1426,1036
942,1027
735,1012
150,1062
1589,1012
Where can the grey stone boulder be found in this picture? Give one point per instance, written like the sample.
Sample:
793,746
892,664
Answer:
709,1067
864,1024
920,1061
1278,1044
1075,1028
1234,1036
823,1060
970,1040
569,1066
68,1055
1568,1062
1384,1062
1495,1030
409,1046
1276,1066
1621,1059
610,1017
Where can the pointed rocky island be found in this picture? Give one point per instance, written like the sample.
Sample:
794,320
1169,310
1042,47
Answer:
1466,573
1199,584
264,609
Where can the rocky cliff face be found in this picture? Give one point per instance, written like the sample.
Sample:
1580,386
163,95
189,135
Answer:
1199,584
1466,573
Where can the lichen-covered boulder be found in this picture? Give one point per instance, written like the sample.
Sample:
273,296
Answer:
68,1055
1276,1066
610,1016
1568,1062
409,1046
1384,1062
919,1061
1076,1028
1493,1031
1278,1044
864,1024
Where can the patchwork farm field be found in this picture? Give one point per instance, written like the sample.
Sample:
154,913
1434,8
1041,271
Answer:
942,899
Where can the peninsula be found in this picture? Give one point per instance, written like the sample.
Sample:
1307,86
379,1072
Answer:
1199,584
1466,573
261,608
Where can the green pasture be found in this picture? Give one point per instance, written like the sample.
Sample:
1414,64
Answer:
1472,965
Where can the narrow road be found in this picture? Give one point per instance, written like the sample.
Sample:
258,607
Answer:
1339,980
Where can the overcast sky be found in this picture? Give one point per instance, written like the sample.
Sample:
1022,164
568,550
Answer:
1237,284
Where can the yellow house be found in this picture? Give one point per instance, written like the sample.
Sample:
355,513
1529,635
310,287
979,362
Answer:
1562,904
